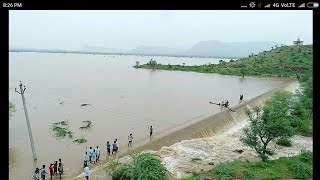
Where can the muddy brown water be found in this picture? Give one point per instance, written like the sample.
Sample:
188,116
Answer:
123,100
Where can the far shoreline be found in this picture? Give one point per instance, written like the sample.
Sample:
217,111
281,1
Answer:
119,54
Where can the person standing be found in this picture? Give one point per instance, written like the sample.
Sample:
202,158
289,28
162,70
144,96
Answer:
85,159
43,172
60,167
151,131
114,147
98,153
51,170
94,156
117,142
35,175
130,138
55,167
108,145
87,172
90,151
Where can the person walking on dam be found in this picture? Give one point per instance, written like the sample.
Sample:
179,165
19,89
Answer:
87,172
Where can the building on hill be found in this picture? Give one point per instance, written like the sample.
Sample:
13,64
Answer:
297,42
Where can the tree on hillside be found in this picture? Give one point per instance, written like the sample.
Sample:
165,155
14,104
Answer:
243,71
153,63
11,109
269,123
271,47
222,62
231,60
137,64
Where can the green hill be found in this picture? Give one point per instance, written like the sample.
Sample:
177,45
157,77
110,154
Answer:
285,61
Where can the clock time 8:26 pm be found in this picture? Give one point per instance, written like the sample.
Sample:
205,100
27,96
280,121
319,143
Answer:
8,5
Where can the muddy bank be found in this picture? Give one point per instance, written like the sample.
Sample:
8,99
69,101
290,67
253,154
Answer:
194,140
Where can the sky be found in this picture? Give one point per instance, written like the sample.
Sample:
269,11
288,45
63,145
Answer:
73,30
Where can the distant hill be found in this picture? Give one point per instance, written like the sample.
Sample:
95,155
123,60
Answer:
157,50
101,49
202,49
229,49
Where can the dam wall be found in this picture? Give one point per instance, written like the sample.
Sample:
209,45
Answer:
211,125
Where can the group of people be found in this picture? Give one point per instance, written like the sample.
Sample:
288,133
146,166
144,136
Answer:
115,147
224,104
91,155
54,168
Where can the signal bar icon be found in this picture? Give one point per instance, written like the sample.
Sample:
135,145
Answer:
267,6
303,5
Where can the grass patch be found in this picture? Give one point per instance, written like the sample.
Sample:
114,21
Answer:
145,166
224,171
87,125
61,130
284,142
283,168
80,140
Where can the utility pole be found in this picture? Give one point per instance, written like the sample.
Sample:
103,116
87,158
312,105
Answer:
27,119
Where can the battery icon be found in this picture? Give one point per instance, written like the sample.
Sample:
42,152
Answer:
313,5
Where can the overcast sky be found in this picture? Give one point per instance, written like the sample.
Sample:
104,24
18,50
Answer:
73,30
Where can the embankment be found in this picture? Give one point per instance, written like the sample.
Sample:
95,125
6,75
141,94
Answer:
209,126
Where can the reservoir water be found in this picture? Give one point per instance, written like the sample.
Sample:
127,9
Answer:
123,100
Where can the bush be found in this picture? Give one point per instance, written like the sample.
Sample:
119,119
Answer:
306,156
145,166
301,170
122,172
284,142
224,171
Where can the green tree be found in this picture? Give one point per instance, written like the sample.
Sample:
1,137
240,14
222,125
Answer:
243,71
271,125
11,109
153,63
137,64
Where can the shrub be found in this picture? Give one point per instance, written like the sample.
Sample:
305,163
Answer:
145,166
306,156
284,142
224,171
301,170
122,172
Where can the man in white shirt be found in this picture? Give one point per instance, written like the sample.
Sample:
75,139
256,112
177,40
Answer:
98,153
90,152
85,159
87,172
117,143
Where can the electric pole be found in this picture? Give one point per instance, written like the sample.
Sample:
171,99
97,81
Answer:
27,119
